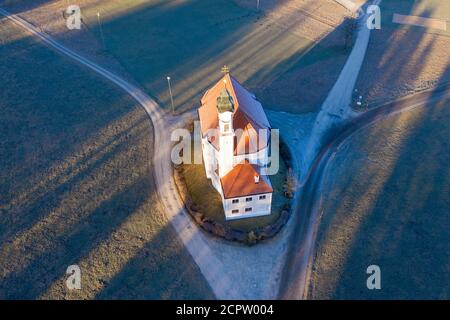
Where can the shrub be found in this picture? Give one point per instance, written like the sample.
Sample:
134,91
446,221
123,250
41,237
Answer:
252,238
289,186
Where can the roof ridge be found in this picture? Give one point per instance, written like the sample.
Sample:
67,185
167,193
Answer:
218,83
249,186
244,111
251,117
236,100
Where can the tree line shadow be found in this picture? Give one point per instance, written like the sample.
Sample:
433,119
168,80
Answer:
190,42
398,219
386,74
39,244
76,169
259,55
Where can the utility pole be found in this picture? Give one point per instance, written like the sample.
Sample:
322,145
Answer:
257,4
171,97
101,30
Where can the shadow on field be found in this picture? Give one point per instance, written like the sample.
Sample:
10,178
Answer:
402,59
24,4
137,278
405,225
191,40
198,41
31,280
75,184
57,135
393,212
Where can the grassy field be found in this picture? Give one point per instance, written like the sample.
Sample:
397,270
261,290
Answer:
388,204
190,40
402,59
209,201
76,186
425,8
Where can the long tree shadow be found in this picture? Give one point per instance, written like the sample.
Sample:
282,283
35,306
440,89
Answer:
423,56
48,266
421,64
198,43
187,40
382,217
51,146
137,280
195,44
76,179
406,230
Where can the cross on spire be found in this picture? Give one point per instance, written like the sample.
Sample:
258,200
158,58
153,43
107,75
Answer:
225,69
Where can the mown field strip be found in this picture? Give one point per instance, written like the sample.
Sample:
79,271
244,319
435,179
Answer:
420,21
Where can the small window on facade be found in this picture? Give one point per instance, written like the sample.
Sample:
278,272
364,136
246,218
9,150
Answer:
248,209
262,197
235,211
235,201
227,128
248,199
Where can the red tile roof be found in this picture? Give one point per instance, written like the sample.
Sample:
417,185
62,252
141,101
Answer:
248,116
240,181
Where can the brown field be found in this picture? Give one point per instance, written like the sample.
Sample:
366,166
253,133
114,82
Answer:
276,52
76,186
403,60
387,202
421,22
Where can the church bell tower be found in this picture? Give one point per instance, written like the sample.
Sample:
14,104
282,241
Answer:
225,109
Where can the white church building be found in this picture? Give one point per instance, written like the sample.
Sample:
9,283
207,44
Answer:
235,144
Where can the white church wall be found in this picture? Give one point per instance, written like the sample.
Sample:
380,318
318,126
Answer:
260,158
210,164
206,157
259,207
